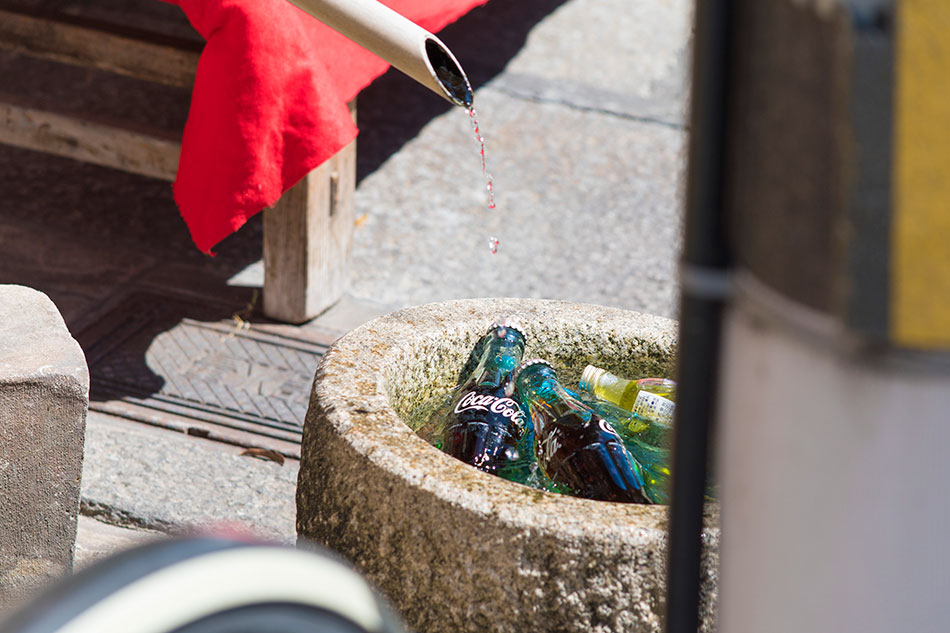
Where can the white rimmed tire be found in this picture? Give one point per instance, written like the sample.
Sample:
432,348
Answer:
209,585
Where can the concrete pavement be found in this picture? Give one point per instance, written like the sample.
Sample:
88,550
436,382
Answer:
582,105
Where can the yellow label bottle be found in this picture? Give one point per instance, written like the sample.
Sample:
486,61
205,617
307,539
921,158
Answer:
650,398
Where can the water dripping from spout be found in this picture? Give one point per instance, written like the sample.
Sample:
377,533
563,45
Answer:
489,184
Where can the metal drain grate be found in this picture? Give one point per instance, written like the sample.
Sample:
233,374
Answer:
188,366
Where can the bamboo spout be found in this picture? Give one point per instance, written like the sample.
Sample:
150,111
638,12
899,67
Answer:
401,42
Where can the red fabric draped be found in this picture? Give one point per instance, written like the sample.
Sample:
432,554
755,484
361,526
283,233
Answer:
269,103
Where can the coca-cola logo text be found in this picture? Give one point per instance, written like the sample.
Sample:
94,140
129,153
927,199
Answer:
507,407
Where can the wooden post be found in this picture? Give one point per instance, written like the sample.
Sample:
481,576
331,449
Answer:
307,240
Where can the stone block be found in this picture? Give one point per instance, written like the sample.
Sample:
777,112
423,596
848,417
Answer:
44,395
456,549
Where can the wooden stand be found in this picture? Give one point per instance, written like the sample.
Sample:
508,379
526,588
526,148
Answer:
307,239
307,236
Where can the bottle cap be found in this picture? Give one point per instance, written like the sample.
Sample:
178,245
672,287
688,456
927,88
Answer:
509,322
529,363
590,377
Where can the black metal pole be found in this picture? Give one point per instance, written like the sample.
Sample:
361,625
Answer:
703,274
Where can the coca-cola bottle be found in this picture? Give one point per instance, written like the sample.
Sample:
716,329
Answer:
576,448
648,442
641,411
484,424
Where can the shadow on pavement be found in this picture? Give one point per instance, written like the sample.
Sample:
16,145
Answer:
110,249
393,109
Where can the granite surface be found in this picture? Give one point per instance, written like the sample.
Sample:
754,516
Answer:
44,394
456,549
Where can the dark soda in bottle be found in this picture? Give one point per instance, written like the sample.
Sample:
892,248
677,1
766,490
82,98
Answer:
576,447
485,423
648,442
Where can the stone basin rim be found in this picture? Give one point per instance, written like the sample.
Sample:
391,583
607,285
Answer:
373,427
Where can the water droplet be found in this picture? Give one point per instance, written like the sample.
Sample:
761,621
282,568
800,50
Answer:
489,186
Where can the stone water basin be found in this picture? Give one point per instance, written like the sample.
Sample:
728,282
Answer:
453,548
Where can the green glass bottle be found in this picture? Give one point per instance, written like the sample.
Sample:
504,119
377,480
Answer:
650,398
484,425
575,447
648,442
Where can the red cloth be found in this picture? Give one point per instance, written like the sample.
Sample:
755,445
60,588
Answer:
269,103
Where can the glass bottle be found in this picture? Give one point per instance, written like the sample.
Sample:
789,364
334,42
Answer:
648,442
575,447
650,398
484,424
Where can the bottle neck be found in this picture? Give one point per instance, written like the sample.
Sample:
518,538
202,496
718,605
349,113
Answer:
547,397
501,354
596,380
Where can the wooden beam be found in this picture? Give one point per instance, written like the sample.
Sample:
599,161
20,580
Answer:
307,235
307,240
90,142
82,45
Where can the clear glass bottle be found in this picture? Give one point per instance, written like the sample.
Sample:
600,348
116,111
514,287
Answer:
575,447
650,398
484,424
